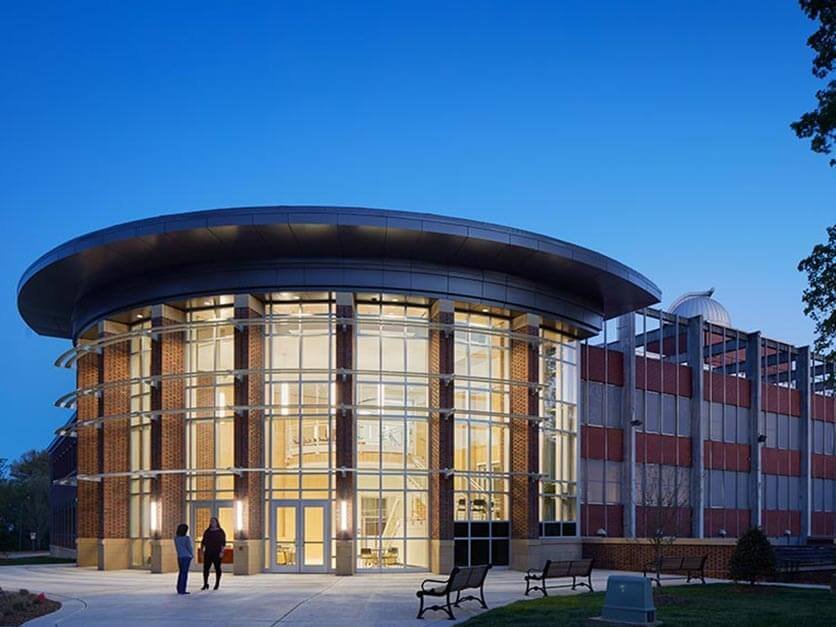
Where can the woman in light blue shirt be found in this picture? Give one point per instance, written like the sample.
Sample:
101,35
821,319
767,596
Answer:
183,544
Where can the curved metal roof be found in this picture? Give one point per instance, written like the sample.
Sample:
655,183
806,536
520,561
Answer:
299,247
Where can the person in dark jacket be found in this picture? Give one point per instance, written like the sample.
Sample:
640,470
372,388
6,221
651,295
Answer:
213,545
183,544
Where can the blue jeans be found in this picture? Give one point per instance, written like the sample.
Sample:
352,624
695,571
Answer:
183,576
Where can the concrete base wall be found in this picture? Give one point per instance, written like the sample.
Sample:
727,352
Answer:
62,552
526,553
636,553
442,556
249,557
345,557
87,551
164,556
114,554
560,549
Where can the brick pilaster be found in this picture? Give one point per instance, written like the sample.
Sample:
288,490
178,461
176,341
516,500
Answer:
754,374
441,436
696,344
168,429
249,423
344,436
88,510
525,454
116,400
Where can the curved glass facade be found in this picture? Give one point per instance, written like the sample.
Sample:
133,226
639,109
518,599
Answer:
391,365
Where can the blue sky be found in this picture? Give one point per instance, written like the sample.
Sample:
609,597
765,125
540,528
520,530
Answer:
654,132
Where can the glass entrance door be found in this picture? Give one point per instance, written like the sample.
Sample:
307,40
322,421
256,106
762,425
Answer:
300,536
201,512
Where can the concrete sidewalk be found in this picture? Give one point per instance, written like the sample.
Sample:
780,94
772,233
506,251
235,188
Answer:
93,597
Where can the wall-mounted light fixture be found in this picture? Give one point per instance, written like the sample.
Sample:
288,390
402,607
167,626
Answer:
722,533
635,422
601,533
761,438
239,517
343,516
155,513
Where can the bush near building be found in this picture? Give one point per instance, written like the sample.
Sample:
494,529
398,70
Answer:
753,557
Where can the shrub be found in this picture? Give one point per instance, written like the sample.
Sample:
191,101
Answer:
753,557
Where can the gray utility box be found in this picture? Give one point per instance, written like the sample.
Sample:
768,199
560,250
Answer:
629,601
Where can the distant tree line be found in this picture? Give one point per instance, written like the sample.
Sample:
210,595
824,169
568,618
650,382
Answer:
24,502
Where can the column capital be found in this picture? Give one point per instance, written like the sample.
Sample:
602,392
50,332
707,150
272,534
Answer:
167,312
248,301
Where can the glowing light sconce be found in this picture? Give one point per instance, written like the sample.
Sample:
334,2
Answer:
239,516
343,516
156,516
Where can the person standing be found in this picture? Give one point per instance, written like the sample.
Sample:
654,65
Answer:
213,545
185,553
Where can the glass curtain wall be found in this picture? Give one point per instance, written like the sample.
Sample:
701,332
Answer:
140,447
392,420
299,424
558,435
210,434
482,405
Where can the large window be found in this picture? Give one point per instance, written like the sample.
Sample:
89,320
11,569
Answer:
392,397
558,435
140,447
299,422
210,430
481,447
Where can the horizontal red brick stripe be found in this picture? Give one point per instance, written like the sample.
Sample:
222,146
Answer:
654,448
607,517
775,522
648,518
593,365
602,443
781,462
823,524
823,466
736,389
727,456
824,408
656,376
734,521
781,400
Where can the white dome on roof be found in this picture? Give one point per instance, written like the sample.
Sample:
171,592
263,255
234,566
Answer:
693,304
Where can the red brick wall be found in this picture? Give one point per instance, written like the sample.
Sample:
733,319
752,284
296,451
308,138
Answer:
720,388
663,377
824,408
734,521
781,462
654,448
249,424
525,454
727,456
634,555
602,443
441,436
344,421
610,518
596,366
116,434
775,522
89,523
168,443
823,466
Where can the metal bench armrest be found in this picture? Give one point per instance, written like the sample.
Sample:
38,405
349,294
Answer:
426,581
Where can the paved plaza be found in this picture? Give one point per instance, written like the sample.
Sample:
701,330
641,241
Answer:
92,597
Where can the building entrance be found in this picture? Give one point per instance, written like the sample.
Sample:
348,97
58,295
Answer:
300,536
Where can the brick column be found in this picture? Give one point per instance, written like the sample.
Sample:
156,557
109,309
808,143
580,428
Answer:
344,440
627,346
88,508
114,546
696,342
803,366
525,454
754,375
168,437
249,437
441,436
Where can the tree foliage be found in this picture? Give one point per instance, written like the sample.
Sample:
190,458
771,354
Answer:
753,557
24,501
820,124
820,295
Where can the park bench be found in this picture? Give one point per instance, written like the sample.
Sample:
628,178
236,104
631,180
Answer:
678,567
790,560
461,578
559,570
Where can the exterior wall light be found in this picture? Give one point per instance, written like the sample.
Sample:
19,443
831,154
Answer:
239,516
635,422
761,438
722,533
156,516
601,533
343,516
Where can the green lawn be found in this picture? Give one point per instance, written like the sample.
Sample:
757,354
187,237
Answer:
38,559
711,604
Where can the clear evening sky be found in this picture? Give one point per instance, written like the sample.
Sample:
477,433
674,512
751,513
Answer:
654,132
